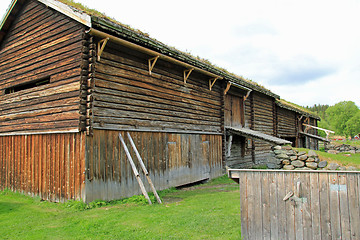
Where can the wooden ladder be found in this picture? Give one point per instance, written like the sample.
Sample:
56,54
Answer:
135,171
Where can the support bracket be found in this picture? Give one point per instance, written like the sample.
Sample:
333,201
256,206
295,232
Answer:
187,73
152,62
212,82
101,47
228,85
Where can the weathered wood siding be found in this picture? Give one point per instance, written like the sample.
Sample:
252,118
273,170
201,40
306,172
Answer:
327,204
286,123
171,159
51,166
234,110
41,43
263,120
126,96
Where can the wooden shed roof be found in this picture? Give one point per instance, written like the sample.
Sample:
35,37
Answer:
249,133
94,19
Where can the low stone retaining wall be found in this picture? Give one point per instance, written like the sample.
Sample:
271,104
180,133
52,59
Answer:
287,158
335,149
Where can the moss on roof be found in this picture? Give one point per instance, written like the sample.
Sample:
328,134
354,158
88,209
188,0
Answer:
294,107
102,20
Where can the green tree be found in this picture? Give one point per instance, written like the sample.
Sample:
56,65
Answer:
353,125
338,115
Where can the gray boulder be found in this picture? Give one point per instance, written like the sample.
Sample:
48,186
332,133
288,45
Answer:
286,162
322,164
283,156
312,165
298,163
332,166
310,159
288,167
293,158
351,168
303,157
277,147
301,153
312,154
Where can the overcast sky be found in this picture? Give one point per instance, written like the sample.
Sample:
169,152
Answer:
308,51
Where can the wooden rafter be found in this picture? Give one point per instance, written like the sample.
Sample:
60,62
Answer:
152,62
212,82
187,73
101,47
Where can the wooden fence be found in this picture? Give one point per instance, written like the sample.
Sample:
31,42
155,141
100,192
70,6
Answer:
277,204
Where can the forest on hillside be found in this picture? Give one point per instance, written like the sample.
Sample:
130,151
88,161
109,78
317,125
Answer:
343,118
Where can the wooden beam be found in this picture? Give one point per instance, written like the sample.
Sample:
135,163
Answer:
101,47
152,62
135,171
212,82
187,73
144,168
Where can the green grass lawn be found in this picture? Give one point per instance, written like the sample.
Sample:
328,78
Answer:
207,211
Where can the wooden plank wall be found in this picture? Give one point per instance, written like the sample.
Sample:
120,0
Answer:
41,43
262,121
286,123
328,208
171,159
51,166
126,96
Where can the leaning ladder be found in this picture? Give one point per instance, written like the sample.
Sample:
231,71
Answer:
136,173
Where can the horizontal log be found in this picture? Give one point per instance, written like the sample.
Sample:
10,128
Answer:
129,96
159,108
7,118
146,92
128,78
62,102
46,59
169,73
9,98
128,124
101,111
69,124
52,117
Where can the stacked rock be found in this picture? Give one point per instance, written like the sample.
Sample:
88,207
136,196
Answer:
334,149
287,158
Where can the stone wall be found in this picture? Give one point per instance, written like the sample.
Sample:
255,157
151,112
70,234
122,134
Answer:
287,158
335,149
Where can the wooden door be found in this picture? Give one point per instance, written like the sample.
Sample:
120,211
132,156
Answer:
234,110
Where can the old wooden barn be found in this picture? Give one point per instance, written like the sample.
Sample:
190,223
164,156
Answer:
71,81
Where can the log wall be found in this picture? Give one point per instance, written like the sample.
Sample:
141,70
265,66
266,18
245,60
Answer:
286,123
51,166
171,160
263,121
126,96
41,43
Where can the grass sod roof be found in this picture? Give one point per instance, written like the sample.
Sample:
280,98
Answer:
294,107
101,21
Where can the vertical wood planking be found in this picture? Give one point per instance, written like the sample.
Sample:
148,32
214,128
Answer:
244,202
265,195
354,206
344,207
334,206
315,205
41,165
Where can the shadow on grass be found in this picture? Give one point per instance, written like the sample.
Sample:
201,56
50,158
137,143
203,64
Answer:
6,207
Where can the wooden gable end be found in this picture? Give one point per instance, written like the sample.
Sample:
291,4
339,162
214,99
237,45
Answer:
286,119
40,69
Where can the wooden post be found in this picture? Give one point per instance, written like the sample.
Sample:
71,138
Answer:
136,173
144,168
